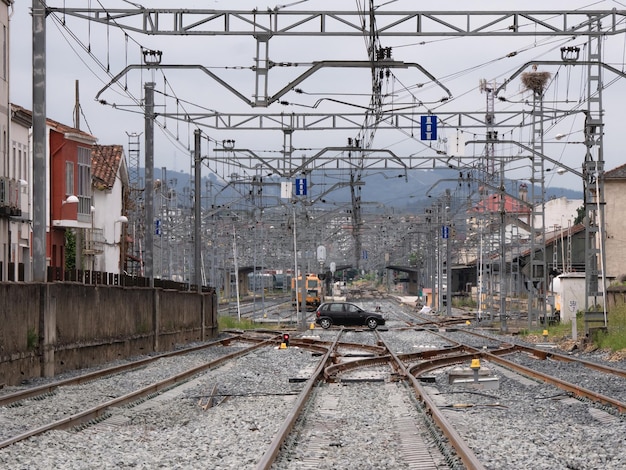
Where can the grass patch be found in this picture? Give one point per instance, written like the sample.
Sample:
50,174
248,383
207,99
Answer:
464,302
227,322
560,330
614,339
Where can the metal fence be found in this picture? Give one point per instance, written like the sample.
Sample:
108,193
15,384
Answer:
113,279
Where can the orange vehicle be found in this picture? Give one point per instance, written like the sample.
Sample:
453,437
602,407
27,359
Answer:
313,291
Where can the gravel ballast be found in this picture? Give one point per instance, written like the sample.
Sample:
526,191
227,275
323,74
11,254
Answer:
523,424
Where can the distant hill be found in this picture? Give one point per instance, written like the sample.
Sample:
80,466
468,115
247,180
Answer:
411,193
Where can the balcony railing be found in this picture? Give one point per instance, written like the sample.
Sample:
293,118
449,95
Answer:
94,241
9,197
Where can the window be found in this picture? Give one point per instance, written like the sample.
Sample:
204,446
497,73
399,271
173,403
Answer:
84,180
4,52
69,178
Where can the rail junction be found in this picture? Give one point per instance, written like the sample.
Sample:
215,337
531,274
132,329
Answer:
326,397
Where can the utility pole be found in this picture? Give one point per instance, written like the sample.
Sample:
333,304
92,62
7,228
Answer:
40,187
197,211
448,255
149,187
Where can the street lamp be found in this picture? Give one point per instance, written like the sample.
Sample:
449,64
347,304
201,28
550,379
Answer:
71,199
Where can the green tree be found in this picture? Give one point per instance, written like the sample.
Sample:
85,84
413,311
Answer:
580,215
70,250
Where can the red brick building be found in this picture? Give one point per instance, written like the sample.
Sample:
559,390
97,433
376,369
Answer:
70,202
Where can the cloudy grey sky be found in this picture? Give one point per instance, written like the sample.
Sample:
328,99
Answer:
459,63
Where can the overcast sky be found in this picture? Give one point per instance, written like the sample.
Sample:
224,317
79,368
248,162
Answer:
459,63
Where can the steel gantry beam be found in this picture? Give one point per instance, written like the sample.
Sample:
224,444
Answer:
264,25
392,119
275,22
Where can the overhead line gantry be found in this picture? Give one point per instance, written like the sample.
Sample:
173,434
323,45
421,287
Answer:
263,25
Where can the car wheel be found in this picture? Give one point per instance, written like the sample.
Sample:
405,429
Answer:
372,323
325,323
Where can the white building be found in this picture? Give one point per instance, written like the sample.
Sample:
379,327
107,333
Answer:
560,213
14,172
16,192
105,241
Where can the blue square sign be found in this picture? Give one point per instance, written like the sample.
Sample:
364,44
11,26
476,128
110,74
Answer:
300,186
428,127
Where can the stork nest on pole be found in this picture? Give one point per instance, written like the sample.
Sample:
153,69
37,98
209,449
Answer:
535,81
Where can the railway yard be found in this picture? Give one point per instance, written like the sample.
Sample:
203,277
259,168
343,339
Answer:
422,392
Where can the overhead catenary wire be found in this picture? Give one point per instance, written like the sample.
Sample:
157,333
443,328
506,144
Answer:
64,29
387,101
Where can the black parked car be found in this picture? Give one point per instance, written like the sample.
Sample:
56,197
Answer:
345,313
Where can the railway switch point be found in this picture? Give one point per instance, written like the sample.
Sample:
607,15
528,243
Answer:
475,366
475,376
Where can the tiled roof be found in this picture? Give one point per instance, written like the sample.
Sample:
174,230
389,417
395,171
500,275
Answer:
619,172
491,203
105,164
57,126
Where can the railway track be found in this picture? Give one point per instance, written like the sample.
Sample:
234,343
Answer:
531,411
318,428
22,410
600,383
338,398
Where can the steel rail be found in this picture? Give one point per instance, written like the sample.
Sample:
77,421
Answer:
99,410
367,347
464,452
49,388
422,355
562,384
544,354
266,461
331,372
494,357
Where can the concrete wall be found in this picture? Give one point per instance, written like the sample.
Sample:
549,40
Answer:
51,328
615,227
19,332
